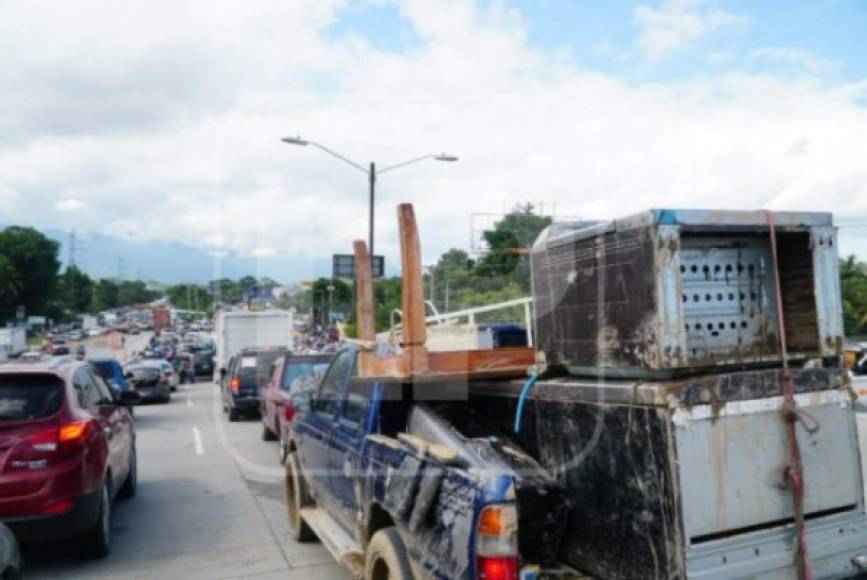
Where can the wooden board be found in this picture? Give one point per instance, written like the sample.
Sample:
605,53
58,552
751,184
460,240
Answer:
474,364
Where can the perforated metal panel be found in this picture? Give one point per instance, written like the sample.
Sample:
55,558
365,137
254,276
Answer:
728,301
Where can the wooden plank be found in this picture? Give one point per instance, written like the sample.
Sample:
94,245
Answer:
472,364
414,333
364,307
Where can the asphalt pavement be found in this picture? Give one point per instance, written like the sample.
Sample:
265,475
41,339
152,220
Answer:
209,504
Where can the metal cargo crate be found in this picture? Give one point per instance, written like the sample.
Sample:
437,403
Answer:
671,291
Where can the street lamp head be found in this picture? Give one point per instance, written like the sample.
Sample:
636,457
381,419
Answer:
445,157
294,141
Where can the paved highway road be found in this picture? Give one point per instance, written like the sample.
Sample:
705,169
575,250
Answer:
209,505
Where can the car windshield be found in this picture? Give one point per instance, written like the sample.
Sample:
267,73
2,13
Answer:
295,370
29,396
257,365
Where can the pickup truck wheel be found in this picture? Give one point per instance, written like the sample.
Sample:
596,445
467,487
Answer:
386,557
233,414
267,434
297,498
97,540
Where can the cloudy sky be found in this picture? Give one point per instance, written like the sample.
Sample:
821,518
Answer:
161,120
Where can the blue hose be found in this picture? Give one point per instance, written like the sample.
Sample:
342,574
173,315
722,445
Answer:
526,389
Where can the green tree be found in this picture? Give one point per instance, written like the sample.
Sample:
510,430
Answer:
131,292
508,243
34,257
10,282
225,290
853,289
105,296
189,297
329,295
75,290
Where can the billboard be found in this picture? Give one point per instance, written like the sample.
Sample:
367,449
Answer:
344,266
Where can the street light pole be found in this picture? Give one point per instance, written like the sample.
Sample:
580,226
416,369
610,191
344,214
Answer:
371,177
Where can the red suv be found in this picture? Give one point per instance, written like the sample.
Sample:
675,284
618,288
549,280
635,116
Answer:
287,374
67,448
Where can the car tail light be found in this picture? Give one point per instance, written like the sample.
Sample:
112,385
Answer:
74,431
288,412
235,384
497,543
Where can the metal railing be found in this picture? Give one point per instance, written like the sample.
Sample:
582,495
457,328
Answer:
470,315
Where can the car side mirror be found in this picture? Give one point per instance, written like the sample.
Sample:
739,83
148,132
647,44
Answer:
128,398
301,401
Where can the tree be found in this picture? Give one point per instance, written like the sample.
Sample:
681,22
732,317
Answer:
134,292
10,282
330,295
853,286
105,296
75,290
508,242
189,297
34,257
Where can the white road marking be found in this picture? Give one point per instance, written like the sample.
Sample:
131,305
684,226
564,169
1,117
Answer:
189,402
197,440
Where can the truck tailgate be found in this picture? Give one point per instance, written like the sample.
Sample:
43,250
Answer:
731,461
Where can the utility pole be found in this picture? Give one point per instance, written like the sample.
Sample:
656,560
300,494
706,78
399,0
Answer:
372,177
70,271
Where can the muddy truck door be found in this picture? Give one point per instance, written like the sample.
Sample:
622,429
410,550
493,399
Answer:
314,434
349,434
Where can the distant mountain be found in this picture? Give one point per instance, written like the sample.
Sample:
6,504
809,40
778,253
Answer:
170,262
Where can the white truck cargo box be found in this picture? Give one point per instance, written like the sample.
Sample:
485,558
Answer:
235,330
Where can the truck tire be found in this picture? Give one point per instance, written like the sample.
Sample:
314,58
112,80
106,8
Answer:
297,498
96,541
385,558
234,415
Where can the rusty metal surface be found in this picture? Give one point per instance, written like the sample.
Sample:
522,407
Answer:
662,293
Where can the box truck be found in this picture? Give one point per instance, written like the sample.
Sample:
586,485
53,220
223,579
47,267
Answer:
238,329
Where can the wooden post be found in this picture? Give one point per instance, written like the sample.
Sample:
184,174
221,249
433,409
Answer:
364,307
414,335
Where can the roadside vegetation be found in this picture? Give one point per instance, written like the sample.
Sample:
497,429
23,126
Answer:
853,282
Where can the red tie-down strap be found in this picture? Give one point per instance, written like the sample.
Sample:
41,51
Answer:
793,473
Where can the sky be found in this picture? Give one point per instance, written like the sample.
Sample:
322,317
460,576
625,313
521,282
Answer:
159,123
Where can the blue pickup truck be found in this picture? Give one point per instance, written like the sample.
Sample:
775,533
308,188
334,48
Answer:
395,490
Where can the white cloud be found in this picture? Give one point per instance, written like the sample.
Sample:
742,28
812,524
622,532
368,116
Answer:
180,131
676,24
263,252
68,204
802,60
